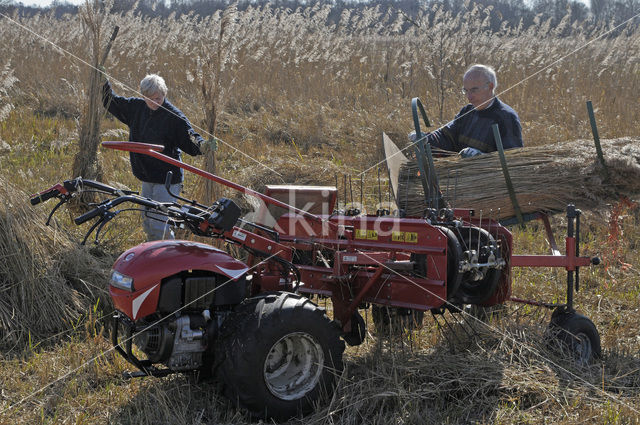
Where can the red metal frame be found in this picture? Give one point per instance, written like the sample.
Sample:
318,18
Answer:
370,253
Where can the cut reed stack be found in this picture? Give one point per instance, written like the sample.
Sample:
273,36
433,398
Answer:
47,280
545,178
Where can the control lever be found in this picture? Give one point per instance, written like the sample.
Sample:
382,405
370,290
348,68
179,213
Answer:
167,185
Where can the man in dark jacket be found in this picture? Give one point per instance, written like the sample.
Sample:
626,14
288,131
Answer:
153,119
470,132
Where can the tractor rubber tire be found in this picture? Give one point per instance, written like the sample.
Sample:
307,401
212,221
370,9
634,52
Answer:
477,292
454,255
278,355
576,335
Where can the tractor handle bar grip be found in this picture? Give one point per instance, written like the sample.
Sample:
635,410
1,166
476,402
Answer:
70,186
89,215
102,208
99,186
106,188
44,196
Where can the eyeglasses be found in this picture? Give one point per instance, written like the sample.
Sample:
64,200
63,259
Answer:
474,90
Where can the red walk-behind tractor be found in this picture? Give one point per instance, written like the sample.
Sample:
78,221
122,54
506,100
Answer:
187,306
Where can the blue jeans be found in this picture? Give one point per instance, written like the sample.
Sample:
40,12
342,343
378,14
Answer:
155,225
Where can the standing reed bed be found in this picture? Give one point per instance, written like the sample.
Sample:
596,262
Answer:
368,61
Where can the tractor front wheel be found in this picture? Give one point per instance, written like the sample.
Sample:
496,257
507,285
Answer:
278,354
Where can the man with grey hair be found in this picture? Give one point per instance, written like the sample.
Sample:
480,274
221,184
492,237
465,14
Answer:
153,119
470,132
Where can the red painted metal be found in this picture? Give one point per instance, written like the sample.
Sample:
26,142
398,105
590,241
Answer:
260,243
149,263
346,315
371,255
567,262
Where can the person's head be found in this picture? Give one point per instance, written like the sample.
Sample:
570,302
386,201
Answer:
478,84
154,90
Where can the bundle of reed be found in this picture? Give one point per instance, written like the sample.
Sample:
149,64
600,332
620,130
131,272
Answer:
47,280
545,178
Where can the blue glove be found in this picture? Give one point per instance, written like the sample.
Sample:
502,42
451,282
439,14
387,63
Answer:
469,152
211,144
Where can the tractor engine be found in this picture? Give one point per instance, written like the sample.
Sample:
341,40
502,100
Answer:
189,311
178,344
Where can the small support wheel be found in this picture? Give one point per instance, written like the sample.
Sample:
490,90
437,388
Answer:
576,335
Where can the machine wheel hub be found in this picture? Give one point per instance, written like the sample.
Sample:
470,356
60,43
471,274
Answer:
293,366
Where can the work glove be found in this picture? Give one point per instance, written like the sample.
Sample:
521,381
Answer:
469,152
211,144
102,74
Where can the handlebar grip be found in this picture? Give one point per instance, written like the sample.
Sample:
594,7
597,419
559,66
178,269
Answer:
42,197
100,186
88,215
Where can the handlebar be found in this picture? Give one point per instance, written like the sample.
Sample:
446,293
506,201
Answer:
104,188
149,203
44,196
68,187
89,215
192,215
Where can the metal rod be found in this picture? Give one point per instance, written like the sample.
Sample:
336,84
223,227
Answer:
577,279
344,180
455,191
596,138
570,217
337,192
154,151
433,178
479,227
505,172
379,189
361,195
351,190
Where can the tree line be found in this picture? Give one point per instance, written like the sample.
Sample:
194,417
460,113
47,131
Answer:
511,12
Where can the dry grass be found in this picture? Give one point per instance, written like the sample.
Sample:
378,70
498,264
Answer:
309,100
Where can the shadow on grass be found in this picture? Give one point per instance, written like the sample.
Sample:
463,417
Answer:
419,379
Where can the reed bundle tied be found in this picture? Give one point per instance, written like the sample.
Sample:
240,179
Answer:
47,281
283,170
545,178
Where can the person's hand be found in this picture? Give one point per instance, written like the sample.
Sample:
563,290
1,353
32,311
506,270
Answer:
102,74
210,144
469,152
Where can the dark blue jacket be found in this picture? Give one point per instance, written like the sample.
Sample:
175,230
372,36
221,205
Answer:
472,128
166,126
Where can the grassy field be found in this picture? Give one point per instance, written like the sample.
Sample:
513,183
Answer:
303,102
